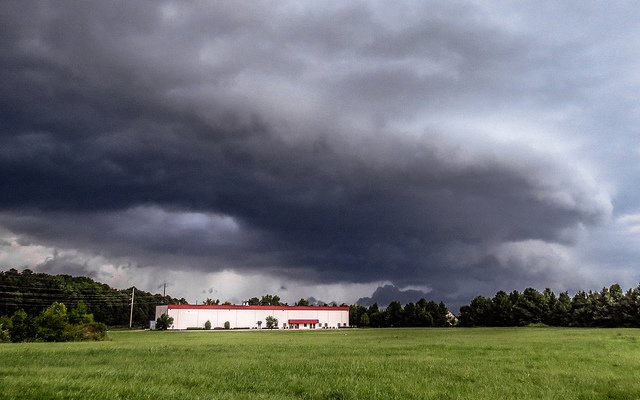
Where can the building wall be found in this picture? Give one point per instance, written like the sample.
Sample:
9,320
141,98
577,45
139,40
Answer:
247,316
161,310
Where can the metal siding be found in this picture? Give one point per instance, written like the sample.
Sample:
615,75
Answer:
248,317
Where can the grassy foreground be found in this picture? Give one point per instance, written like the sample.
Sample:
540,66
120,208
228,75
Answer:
509,363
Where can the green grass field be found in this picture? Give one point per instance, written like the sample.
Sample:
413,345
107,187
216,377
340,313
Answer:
509,363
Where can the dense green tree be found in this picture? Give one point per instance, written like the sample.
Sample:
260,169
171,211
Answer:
254,301
581,309
393,314
409,315
51,323
423,313
270,300
272,322
502,310
610,307
376,318
440,314
355,314
630,308
164,322
22,327
33,292
5,327
478,313
302,302
560,314
80,314
551,300
530,307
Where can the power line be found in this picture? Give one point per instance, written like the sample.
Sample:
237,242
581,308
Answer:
29,286
76,294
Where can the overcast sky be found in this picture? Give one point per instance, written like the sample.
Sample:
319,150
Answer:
325,149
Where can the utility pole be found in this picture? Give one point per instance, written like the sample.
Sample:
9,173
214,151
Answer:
133,293
164,290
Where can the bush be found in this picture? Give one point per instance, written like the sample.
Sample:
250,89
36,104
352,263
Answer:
207,325
272,322
80,314
92,331
227,325
95,331
164,322
22,327
51,323
5,326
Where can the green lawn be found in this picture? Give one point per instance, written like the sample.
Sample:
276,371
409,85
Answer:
509,363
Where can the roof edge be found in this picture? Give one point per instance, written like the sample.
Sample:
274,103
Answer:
241,307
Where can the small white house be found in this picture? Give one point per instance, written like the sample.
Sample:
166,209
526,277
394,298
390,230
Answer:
187,316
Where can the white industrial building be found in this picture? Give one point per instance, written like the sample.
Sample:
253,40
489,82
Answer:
186,316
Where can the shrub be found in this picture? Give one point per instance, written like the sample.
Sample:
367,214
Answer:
80,314
4,335
5,326
207,325
22,328
51,323
91,331
272,322
164,322
227,325
94,331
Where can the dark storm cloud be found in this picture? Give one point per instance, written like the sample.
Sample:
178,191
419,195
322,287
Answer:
384,295
65,265
257,136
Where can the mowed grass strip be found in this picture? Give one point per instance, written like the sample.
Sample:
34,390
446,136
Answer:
502,363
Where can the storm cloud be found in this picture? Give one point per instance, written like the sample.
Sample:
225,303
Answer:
426,144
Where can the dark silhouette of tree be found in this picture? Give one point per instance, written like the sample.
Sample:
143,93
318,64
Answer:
610,307
272,322
34,292
270,300
254,301
164,322
302,302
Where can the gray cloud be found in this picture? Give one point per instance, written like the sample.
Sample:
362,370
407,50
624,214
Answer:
384,295
65,265
304,142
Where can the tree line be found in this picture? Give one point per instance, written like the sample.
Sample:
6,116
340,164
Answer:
609,307
33,292
421,314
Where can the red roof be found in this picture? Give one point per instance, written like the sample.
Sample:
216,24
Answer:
238,307
303,321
